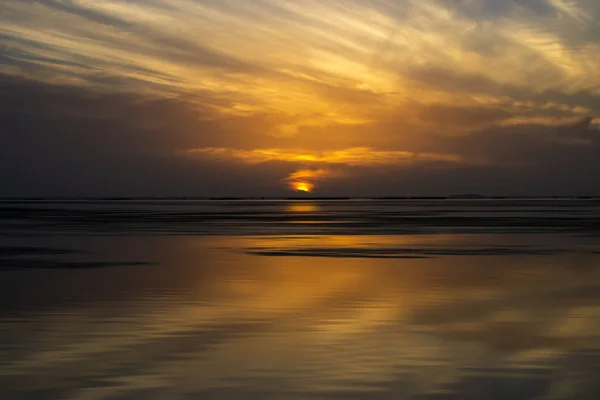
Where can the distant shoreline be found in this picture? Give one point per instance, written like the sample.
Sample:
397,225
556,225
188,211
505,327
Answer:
294,198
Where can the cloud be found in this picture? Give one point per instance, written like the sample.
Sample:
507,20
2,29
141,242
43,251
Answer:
307,179
425,87
347,63
314,174
357,156
69,140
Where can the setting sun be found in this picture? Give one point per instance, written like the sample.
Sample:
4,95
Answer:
303,187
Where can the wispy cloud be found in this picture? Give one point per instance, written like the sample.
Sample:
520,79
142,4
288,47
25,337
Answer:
360,83
332,63
358,156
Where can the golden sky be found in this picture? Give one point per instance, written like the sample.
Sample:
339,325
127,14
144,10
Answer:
354,86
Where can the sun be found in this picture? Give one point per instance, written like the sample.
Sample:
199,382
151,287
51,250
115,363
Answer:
303,187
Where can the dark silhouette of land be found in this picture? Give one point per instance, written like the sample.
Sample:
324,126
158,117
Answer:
295,198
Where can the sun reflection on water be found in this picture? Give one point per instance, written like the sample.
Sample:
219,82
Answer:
316,326
302,207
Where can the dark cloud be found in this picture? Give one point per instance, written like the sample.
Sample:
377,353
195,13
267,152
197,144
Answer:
491,9
63,140
60,140
454,81
462,116
72,8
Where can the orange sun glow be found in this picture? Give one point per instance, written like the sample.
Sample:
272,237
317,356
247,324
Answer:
302,187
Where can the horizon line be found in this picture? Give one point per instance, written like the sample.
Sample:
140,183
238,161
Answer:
306,197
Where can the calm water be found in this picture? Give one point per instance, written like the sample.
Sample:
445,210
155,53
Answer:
300,300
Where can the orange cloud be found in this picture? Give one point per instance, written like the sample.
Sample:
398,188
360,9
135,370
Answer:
355,156
320,174
306,180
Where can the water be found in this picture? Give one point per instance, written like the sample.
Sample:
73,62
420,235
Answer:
491,299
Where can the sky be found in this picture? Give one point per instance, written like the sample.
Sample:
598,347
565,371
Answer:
265,97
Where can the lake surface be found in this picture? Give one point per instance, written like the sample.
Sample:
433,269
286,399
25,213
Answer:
378,299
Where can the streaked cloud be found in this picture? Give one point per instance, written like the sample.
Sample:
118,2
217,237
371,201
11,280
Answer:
311,58
361,83
357,156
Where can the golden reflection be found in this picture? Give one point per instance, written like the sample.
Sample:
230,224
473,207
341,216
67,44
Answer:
302,207
323,321
345,241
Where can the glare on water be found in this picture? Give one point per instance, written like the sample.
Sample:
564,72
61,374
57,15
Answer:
303,315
